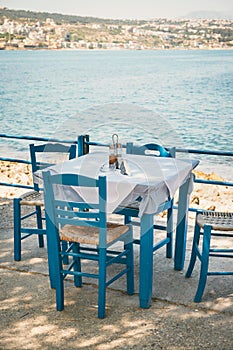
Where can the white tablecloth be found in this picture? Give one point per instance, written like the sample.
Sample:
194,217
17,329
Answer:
154,179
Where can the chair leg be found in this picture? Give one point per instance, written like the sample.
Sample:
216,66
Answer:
50,251
102,283
60,293
40,226
193,258
169,232
64,246
17,230
58,279
77,265
127,220
204,263
130,267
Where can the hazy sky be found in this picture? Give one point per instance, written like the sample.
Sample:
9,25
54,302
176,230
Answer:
121,8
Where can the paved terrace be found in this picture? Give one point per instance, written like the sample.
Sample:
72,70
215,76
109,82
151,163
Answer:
29,319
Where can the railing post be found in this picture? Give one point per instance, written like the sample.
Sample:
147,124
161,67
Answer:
86,145
129,147
83,146
172,151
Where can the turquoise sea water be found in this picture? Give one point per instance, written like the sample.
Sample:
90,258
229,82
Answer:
181,98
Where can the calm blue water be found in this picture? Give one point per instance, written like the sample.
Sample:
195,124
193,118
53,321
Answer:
181,98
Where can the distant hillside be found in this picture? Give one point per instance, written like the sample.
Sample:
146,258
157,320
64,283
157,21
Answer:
210,15
59,18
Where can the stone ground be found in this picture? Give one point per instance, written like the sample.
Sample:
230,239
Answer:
29,319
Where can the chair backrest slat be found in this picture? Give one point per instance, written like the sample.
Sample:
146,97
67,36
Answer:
69,213
152,149
72,205
62,212
51,153
56,149
74,222
75,180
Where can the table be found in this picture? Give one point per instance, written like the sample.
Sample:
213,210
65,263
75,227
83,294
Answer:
155,180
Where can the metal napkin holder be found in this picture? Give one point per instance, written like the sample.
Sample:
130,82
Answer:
124,167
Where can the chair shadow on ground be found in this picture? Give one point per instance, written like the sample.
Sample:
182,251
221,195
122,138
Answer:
28,315
28,312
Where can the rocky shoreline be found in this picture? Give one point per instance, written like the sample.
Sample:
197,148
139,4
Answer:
211,197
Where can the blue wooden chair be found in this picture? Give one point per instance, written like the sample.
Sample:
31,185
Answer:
153,149
32,202
68,221
209,224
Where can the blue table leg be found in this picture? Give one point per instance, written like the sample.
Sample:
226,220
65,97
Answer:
181,228
146,260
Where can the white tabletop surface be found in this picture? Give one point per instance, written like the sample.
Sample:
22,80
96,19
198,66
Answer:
155,179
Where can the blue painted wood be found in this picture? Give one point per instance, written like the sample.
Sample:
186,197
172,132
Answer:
20,232
203,253
149,148
157,150
204,264
102,254
83,147
77,265
145,297
146,260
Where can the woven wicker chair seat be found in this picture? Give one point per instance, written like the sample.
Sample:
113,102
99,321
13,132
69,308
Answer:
32,198
218,220
90,235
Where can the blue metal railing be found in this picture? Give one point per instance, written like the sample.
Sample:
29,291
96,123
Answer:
84,143
209,152
35,138
24,161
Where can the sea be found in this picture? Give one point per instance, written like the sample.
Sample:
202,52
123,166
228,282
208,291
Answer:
181,98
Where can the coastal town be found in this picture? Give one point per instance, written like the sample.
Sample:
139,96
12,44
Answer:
20,30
